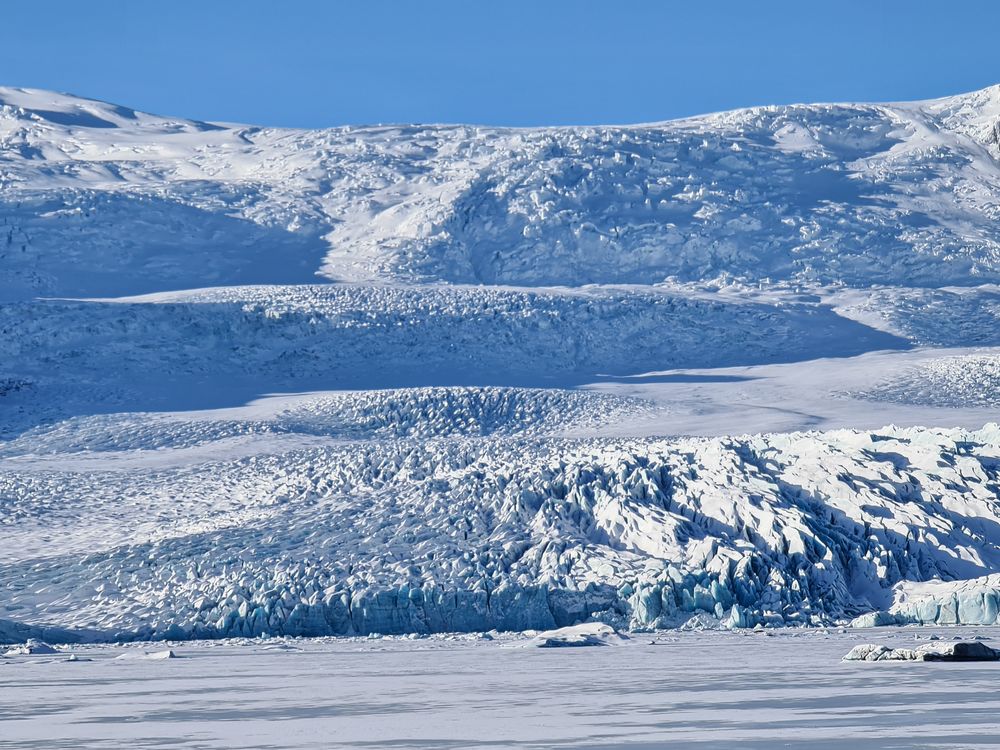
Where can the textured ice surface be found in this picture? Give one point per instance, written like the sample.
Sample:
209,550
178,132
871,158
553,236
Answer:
31,647
949,316
970,601
971,380
364,415
219,347
473,534
483,425
574,636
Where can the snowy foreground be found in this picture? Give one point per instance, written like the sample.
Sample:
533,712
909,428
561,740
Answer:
670,690
738,370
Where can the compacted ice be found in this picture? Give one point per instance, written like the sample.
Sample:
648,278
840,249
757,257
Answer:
445,534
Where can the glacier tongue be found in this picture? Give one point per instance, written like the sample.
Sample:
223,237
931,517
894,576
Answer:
508,534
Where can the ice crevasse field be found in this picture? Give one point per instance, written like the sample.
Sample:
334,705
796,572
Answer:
737,372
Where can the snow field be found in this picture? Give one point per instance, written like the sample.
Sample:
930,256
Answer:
223,347
668,690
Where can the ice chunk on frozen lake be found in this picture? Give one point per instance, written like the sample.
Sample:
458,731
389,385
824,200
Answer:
31,647
937,651
873,620
585,634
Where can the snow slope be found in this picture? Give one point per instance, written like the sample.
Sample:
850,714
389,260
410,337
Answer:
488,418
97,199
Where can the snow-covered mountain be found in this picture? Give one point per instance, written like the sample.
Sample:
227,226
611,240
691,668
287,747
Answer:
401,378
98,199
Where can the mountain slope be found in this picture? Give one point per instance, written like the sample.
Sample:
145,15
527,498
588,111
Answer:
97,199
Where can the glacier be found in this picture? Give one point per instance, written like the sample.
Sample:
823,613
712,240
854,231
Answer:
446,534
737,370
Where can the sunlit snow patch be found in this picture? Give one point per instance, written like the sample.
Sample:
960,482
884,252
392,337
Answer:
349,415
948,382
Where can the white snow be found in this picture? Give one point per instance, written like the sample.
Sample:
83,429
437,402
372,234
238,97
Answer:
425,535
97,198
149,655
730,371
680,691
972,380
31,647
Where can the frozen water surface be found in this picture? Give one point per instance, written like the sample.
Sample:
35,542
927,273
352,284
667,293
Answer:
686,689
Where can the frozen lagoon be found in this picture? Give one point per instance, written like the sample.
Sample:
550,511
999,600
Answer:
663,690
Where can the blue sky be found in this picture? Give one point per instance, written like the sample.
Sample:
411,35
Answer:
313,64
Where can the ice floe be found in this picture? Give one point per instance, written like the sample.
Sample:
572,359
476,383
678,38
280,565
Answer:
938,651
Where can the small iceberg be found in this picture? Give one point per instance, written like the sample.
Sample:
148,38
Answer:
936,651
31,647
586,634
